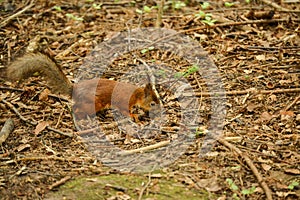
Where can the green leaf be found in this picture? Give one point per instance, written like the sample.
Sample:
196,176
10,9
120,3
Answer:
232,185
143,51
147,9
293,185
138,11
178,75
97,6
151,48
248,191
74,17
209,22
201,14
228,4
57,8
205,5
178,5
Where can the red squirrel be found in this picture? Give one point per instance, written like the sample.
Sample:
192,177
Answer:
90,96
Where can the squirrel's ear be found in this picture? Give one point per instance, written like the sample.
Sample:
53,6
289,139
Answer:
148,89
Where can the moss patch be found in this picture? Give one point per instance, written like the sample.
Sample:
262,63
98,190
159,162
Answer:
130,186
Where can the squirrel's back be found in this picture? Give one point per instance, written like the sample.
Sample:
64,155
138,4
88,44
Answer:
31,63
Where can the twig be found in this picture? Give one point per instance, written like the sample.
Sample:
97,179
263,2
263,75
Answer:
34,123
116,187
144,188
251,165
39,158
290,105
160,13
59,182
22,90
143,149
69,49
241,92
8,19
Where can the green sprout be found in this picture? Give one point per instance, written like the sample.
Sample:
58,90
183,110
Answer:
143,51
200,131
232,185
201,14
146,9
178,5
189,71
97,6
206,18
249,191
71,16
228,4
57,8
205,5
293,185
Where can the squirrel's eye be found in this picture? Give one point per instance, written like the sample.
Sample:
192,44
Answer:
152,103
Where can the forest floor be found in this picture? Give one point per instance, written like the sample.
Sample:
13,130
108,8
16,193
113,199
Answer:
230,91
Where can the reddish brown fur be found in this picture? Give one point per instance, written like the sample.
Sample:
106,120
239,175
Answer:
104,93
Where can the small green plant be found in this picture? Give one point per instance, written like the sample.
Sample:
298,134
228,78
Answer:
248,191
143,51
201,14
97,6
71,16
200,131
229,4
161,73
236,168
146,9
235,189
57,8
189,71
248,1
293,185
232,185
205,5
178,5
209,21
206,18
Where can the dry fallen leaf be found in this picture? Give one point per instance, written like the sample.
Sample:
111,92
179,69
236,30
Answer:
22,147
260,57
266,167
251,107
266,117
286,115
40,127
292,171
210,184
44,95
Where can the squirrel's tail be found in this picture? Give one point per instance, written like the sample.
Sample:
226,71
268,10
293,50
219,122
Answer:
31,63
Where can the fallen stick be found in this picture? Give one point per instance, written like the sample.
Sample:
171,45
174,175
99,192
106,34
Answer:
251,165
34,123
144,149
8,19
